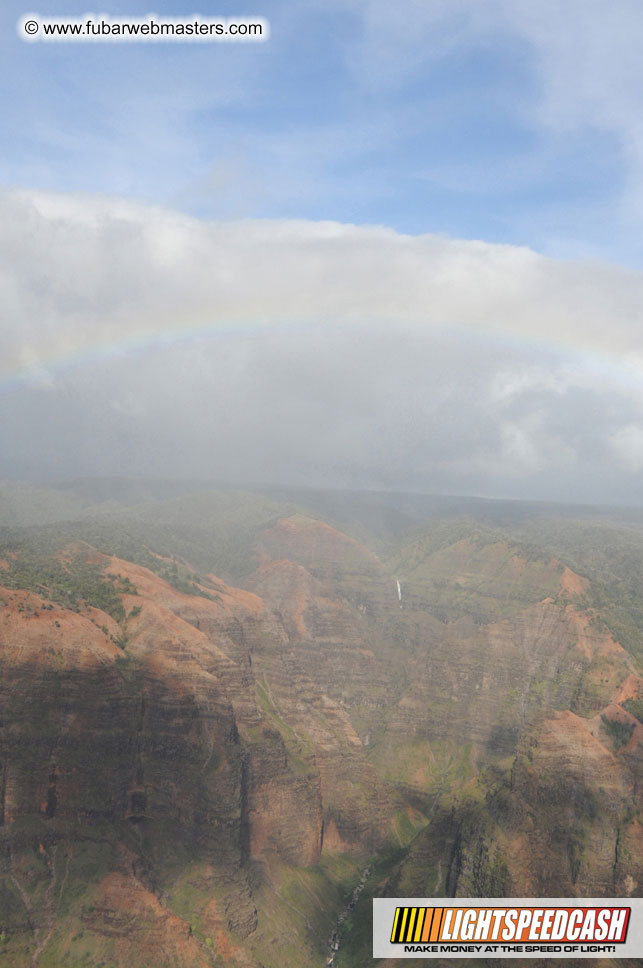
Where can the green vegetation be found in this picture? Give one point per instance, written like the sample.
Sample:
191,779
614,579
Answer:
608,550
298,749
72,579
462,568
215,531
618,732
635,707
356,933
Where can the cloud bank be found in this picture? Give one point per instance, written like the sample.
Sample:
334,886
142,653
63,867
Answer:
138,340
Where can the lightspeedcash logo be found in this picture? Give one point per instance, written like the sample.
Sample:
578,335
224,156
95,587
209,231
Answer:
475,928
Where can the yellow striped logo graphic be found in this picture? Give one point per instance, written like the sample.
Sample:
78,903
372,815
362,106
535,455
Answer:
416,925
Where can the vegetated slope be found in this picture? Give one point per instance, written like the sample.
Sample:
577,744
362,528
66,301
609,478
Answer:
196,770
521,721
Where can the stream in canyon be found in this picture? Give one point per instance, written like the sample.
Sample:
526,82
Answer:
334,942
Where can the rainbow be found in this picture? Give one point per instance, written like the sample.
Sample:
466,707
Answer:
100,352
614,366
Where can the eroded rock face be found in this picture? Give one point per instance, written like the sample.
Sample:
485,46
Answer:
190,775
539,701
199,749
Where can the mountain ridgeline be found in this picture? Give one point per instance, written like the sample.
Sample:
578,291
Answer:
229,719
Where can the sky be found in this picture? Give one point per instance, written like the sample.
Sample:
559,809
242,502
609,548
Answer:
391,247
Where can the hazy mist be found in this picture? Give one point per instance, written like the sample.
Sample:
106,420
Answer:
140,341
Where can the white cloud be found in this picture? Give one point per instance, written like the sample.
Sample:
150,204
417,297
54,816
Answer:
591,72
85,270
311,352
627,444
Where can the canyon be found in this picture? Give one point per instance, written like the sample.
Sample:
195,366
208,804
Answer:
225,728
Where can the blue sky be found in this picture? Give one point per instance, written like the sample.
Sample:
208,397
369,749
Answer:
391,247
476,120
